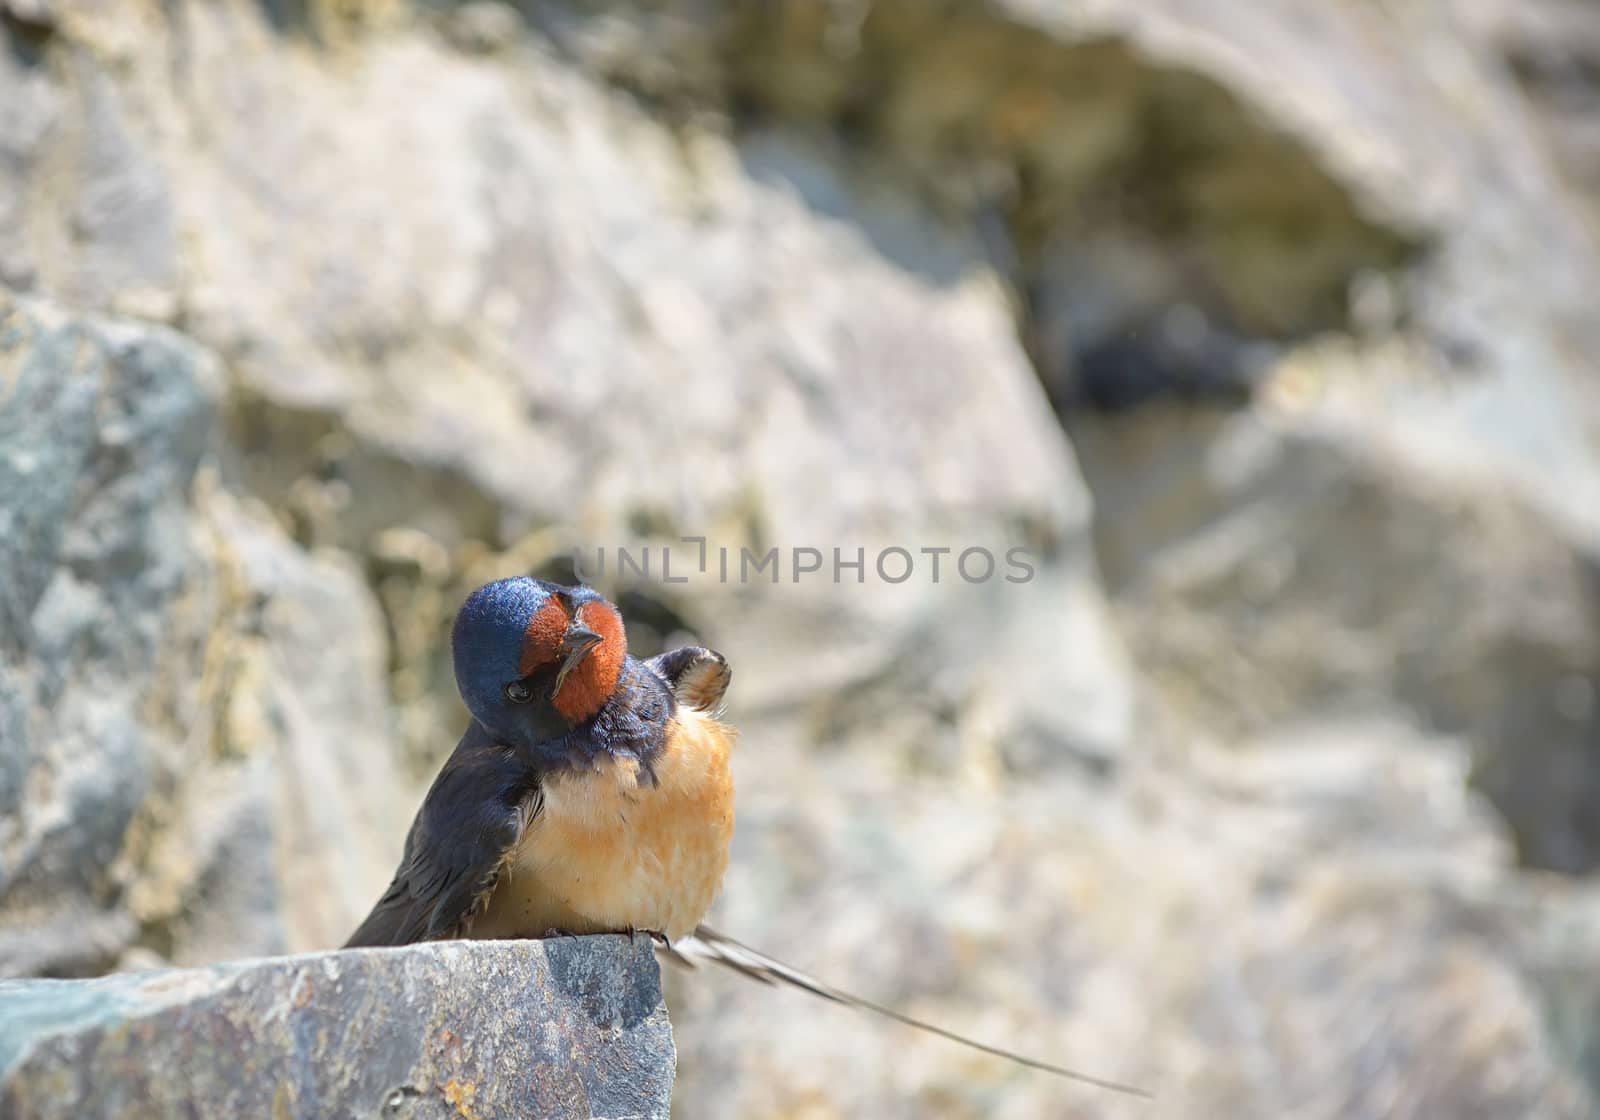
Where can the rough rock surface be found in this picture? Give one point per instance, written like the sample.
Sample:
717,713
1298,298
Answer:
489,362
573,1028
1310,286
175,676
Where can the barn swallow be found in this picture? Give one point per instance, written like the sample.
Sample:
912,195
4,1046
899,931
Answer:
591,793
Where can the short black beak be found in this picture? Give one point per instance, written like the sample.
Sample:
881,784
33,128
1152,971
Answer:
573,649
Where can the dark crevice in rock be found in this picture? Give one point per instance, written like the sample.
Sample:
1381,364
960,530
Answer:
1160,234
288,16
26,37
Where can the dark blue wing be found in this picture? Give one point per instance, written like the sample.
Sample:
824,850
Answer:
471,819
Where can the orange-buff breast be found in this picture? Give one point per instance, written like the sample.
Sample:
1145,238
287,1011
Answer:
608,852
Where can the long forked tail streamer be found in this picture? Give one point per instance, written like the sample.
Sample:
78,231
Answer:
706,944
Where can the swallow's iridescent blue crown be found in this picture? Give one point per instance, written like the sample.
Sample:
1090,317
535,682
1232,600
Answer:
487,639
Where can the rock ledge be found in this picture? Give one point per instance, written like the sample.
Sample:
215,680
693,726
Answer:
574,1027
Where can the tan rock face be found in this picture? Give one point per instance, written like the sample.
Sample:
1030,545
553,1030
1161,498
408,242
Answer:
455,291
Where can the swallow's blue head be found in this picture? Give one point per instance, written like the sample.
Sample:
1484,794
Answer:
535,659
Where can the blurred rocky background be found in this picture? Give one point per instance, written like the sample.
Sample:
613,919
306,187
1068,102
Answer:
1270,330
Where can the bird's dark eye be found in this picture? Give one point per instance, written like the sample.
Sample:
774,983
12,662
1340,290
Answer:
518,693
